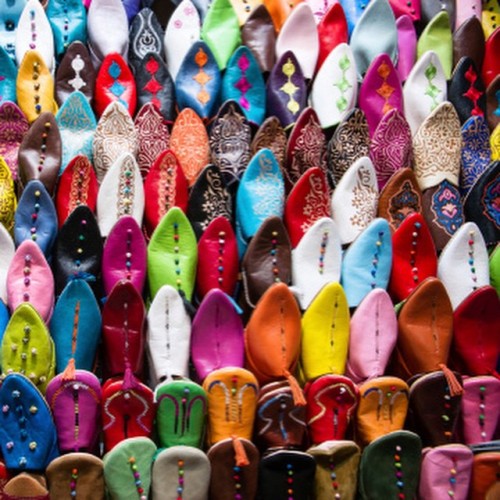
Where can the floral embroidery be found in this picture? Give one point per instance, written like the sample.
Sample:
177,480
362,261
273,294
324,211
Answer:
446,208
154,137
343,84
230,144
308,149
491,201
350,142
289,88
405,202
145,40
364,199
476,153
391,146
431,90
271,135
437,147
114,135
266,205
13,127
216,199
189,142
316,202
202,78
385,90
7,197
80,182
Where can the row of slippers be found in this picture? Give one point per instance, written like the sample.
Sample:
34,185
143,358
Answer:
448,185
394,466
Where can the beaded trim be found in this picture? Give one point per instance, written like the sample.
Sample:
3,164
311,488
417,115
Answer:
322,250
445,417
398,471
72,484
273,252
43,148
180,479
178,270
333,477
453,479
81,239
413,252
375,260
482,410
34,216
471,259
237,482
220,267
289,481
27,273
36,87
128,254
137,478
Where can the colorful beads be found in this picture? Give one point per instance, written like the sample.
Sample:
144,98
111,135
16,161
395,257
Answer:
180,479
289,480
333,477
322,250
375,259
482,410
36,87
453,479
445,416
137,478
415,234
220,260
273,252
398,472
128,255
471,259
176,252
237,482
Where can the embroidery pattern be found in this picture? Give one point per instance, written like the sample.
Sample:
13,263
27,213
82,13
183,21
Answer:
153,86
391,146
126,188
167,184
216,199
343,84
243,85
13,127
405,202
386,90
114,135
7,197
491,201
189,142
473,94
364,199
476,153
146,39
437,147
316,202
289,88
230,144
77,64
80,181
431,90
154,137
308,149
202,78
447,208
76,127
350,142
271,135
268,190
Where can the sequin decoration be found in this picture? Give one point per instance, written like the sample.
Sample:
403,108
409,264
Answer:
126,187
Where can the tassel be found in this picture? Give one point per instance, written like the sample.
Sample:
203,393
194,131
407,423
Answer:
298,395
129,380
455,388
69,371
240,455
